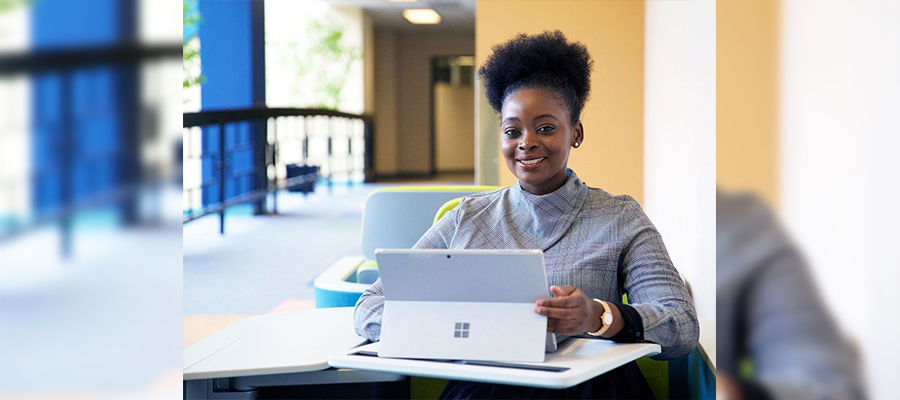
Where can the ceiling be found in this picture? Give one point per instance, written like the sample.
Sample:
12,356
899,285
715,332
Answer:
456,15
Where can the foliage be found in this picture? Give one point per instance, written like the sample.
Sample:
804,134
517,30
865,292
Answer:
10,5
189,54
328,60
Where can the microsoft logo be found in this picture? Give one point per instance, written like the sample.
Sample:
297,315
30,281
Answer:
462,330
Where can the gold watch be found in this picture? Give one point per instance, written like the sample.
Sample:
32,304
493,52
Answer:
606,319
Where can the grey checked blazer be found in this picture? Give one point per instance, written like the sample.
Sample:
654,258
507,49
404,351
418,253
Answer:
603,244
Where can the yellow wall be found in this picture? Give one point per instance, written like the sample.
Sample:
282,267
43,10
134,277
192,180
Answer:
747,97
613,31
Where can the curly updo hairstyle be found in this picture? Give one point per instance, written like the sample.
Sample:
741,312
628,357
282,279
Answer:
545,61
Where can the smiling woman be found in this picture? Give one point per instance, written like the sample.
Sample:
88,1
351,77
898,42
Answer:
539,85
596,246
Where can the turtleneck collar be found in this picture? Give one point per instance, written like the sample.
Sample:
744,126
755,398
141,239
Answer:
561,199
551,214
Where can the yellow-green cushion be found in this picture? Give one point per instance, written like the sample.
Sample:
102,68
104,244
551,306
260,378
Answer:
446,208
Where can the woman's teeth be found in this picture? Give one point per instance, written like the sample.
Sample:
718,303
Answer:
532,162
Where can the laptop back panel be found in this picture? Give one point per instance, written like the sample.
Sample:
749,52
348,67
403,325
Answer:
463,304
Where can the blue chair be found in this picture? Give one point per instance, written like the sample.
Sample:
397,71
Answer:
393,217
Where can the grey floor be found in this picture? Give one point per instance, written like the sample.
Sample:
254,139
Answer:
262,261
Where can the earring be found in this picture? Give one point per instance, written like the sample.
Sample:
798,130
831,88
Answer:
576,145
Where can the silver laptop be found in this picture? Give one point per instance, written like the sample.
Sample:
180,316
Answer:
464,305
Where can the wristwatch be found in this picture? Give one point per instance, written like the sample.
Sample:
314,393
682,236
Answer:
606,320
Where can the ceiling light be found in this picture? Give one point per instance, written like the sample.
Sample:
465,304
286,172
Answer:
422,16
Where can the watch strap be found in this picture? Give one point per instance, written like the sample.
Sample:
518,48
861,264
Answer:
603,325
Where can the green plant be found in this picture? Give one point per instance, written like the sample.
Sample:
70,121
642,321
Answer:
10,5
190,54
329,61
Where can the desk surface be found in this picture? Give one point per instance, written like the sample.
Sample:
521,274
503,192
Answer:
286,342
585,358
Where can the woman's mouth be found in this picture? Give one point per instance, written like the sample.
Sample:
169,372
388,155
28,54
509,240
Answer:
532,162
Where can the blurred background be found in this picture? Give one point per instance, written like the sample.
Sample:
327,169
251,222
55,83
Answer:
806,97
90,269
293,111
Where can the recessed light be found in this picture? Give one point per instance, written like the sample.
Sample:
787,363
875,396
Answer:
422,16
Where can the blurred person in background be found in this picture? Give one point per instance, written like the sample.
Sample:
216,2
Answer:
775,338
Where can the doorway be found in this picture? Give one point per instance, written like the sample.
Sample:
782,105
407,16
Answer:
453,115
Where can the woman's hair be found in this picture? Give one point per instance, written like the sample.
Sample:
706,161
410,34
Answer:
545,61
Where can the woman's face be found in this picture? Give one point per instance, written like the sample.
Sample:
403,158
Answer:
536,136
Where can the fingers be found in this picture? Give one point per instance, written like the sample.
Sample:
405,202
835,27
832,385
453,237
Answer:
555,312
566,312
562,327
563,290
559,302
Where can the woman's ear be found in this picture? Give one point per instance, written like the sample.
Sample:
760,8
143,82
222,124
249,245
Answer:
579,135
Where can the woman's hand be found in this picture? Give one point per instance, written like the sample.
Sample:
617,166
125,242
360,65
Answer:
570,313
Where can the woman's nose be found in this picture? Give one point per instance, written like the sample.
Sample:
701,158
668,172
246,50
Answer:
528,142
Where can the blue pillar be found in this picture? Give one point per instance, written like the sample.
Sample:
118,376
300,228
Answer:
232,52
84,119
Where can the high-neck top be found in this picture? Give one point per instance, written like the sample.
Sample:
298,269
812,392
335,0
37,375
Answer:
545,218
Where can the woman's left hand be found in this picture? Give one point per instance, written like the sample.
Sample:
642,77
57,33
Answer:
570,313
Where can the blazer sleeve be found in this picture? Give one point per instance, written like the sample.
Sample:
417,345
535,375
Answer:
655,288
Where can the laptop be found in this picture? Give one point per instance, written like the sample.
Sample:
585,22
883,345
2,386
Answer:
464,305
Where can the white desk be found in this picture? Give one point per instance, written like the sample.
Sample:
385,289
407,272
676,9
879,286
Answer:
289,348
585,358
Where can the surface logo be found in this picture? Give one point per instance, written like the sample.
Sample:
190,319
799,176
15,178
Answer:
462,330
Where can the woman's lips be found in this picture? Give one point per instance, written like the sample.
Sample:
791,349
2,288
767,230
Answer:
531,163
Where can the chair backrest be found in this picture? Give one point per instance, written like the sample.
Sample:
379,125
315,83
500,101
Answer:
395,218
449,205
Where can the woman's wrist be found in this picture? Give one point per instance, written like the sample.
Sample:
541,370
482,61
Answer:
597,314
594,323
618,321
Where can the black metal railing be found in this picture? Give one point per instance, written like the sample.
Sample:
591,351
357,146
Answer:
218,145
60,134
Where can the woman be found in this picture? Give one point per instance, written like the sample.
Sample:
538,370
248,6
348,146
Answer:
596,246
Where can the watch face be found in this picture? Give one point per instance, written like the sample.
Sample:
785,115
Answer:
607,319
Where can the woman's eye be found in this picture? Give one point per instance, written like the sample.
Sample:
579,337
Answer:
545,128
511,132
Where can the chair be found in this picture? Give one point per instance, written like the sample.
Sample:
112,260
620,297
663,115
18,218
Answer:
393,217
397,217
